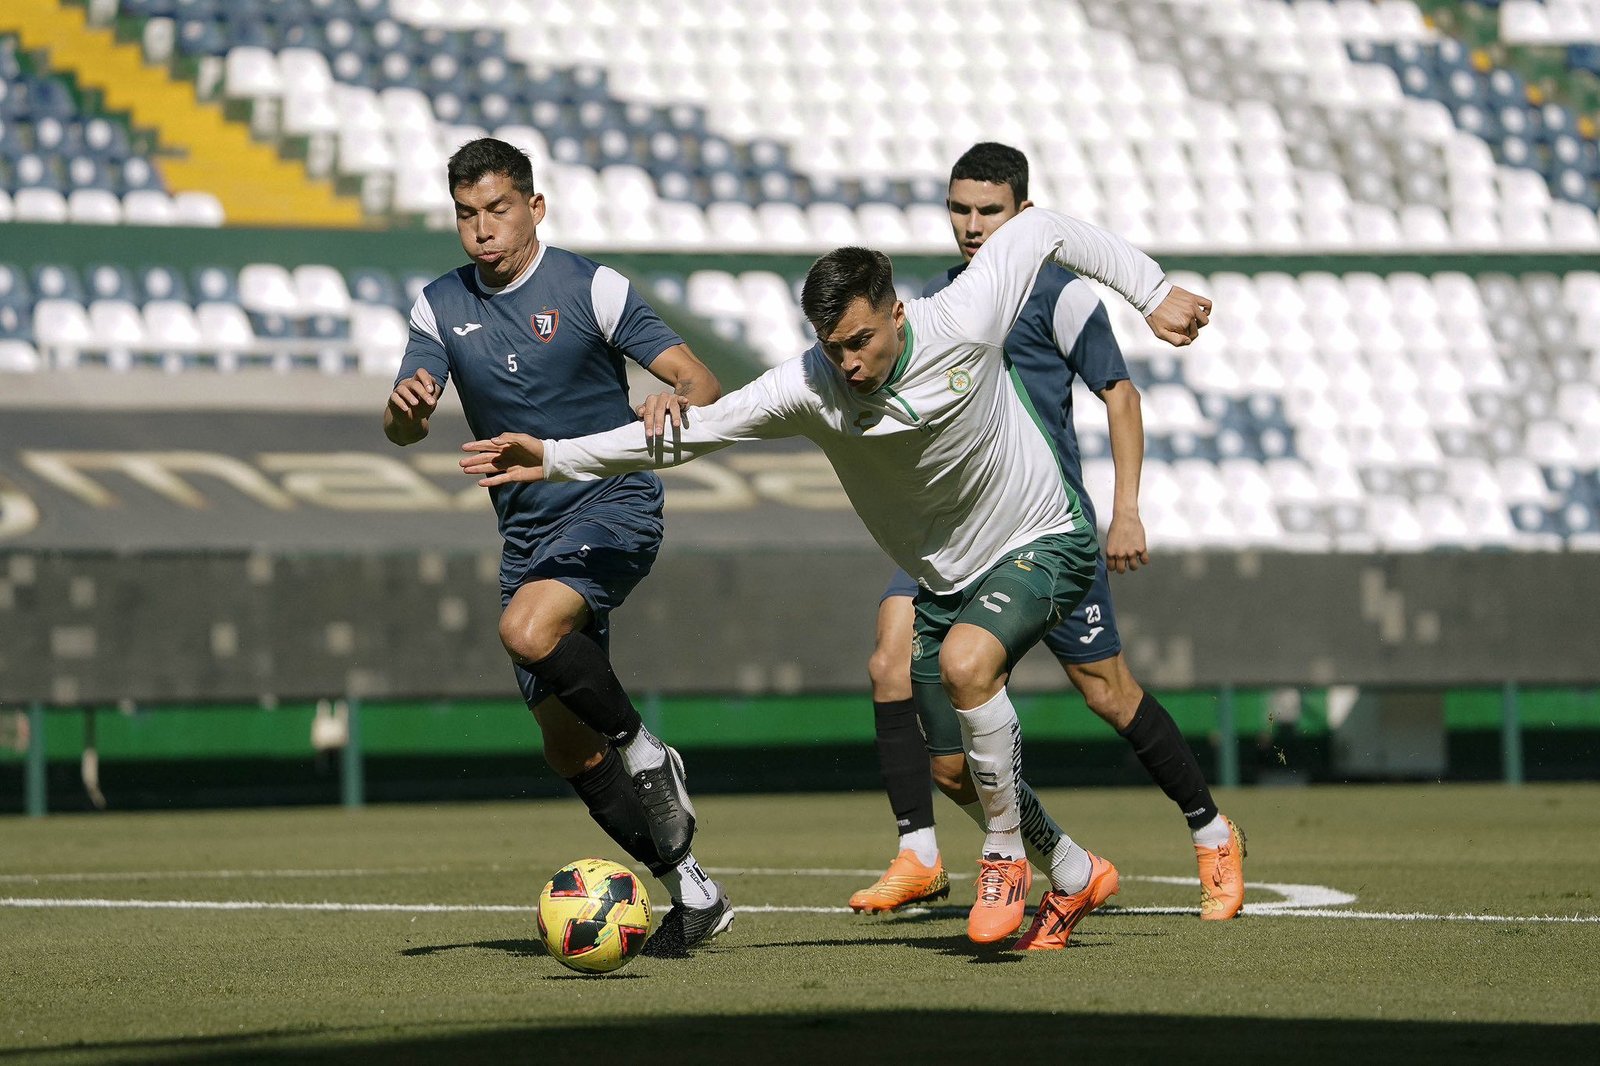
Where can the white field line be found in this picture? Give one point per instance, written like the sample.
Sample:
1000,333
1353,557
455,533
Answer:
514,908
192,875
1296,900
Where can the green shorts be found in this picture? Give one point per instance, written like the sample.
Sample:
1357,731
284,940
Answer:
1019,599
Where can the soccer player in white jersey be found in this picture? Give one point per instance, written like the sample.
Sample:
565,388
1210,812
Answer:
1063,333
912,405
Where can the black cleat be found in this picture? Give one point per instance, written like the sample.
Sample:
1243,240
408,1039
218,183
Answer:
687,928
667,809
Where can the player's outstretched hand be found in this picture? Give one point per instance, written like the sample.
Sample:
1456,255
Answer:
416,397
506,458
1179,317
1125,546
658,408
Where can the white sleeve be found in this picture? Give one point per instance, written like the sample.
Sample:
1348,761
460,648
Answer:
422,319
768,407
984,301
608,294
1074,305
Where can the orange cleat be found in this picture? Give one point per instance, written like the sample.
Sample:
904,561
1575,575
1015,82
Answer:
1002,903
1222,877
905,881
1059,913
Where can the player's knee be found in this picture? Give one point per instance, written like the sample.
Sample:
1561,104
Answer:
950,776
528,639
968,675
890,673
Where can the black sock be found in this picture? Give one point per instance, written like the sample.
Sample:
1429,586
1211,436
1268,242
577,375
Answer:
1170,761
579,674
607,792
903,761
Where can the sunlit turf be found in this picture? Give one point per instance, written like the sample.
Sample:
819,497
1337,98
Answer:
182,984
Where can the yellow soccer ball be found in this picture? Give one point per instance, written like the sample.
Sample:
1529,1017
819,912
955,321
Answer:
594,916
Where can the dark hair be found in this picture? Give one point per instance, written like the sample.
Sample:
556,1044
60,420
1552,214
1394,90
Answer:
486,155
836,280
997,163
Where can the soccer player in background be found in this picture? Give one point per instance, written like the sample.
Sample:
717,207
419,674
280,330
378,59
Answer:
535,336
1062,333
912,406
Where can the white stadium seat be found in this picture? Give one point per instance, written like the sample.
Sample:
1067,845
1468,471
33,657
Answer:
268,288
148,207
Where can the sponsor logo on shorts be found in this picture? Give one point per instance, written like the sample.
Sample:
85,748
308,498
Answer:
916,647
1022,565
994,601
1095,632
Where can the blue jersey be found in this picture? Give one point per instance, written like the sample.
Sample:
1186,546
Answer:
543,356
1063,332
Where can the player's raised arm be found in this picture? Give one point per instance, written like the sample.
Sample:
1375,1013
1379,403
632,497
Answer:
765,408
988,296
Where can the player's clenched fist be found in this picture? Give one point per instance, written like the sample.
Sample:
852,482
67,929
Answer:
1179,317
506,458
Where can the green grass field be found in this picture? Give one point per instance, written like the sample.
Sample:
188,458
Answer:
433,980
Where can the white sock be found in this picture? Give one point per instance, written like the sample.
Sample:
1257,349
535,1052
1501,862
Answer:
922,843
1213,834
643,752
992,737
689,885
1047,847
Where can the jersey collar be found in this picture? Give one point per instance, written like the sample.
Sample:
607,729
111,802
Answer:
900,364
516,282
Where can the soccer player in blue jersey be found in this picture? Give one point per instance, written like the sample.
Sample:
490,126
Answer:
1062,333
534,337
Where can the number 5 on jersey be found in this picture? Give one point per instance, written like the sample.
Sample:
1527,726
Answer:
511,362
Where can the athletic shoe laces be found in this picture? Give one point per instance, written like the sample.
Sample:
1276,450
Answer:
991,883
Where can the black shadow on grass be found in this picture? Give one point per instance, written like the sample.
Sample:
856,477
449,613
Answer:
519,948
879,1036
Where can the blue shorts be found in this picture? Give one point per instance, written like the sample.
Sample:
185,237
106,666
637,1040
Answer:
1087,635
601,553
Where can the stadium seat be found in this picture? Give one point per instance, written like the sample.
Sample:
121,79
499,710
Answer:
94,207
18,356
37,204
267,288
320,290
224,328
196,208
61,330
148,207
171,325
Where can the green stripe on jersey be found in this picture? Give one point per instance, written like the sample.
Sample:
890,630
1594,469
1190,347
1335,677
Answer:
905,358
1038,423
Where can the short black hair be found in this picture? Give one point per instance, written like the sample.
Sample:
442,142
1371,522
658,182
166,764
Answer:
836,280
487,155
997,163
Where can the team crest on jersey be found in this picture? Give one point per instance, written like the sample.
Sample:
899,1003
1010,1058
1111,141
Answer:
545,324
960,381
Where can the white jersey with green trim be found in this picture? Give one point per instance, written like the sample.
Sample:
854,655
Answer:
943,463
